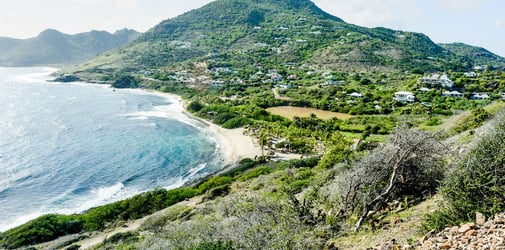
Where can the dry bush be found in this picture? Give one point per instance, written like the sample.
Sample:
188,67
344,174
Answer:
409,164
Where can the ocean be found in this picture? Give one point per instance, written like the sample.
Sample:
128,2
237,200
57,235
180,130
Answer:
67,147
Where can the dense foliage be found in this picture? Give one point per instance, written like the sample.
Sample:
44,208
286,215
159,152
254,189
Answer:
245,35
50,227
477,184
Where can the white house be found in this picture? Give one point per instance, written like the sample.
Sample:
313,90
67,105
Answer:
404,96
470,74
479,96
355,95
432,79
452,94
437,79
424,89
445,81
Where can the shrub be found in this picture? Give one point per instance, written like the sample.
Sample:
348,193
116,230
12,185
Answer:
214,182
477,184
235,122
195,106
44,228
214,245
253,173
475,120
410,164
440,219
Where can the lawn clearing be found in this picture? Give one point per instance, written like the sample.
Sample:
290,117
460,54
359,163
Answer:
290,112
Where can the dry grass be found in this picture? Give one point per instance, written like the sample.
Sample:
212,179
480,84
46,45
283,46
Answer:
290,112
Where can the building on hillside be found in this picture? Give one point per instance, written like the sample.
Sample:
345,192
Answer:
331,83
292,77
445,81
456,94
284,86
424,89
404,96
470,74
355,95
437,79
479,96
432,79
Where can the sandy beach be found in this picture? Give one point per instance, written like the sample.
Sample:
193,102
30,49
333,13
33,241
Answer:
234,144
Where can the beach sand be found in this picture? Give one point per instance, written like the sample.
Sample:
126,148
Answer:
233,143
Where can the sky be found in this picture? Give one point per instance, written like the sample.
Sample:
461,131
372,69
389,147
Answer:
475,22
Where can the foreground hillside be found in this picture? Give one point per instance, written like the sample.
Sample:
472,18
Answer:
400,194
52,47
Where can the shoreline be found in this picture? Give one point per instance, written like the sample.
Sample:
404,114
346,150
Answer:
232,144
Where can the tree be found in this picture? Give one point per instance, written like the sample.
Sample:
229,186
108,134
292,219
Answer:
411,163
195,106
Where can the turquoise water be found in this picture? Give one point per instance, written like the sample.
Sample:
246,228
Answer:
65,148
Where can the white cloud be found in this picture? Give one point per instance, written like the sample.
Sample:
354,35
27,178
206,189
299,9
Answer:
88,2
498,24
126,4
372,13
461,4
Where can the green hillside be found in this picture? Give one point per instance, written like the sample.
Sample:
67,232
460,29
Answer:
394,135
52,47
244,35
475,55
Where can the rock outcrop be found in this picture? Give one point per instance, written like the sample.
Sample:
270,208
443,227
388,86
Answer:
480,235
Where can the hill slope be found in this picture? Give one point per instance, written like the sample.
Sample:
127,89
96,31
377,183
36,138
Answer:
52,47
247,34
477,55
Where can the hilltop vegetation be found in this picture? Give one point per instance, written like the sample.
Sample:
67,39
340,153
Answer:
52,47
246,35
475,55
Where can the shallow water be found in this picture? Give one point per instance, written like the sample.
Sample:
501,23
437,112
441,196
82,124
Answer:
65,148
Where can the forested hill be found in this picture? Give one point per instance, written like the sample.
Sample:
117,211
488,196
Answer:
245,35
52,47
475,54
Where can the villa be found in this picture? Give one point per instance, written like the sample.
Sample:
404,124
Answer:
424,89
479,96
404,96
470,74
437,79
356,95
456,94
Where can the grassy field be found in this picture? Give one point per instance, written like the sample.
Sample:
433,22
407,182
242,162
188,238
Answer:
290,112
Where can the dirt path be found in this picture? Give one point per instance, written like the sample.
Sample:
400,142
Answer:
131,225
278,96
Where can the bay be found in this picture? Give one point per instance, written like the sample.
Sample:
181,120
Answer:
65,148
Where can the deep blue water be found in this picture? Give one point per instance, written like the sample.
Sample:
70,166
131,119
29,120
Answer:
65,148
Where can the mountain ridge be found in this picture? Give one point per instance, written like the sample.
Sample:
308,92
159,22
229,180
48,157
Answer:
243,34
52,47
479,55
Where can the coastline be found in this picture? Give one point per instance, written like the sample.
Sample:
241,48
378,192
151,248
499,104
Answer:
233,144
